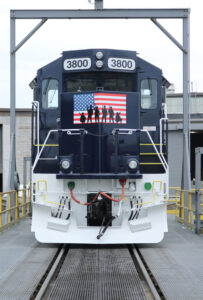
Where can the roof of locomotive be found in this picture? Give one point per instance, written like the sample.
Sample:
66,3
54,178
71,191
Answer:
140,63
92,52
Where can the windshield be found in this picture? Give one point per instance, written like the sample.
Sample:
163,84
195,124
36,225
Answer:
82,82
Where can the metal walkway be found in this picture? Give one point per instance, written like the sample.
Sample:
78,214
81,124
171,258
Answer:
23,262
177,263
97,273
101,272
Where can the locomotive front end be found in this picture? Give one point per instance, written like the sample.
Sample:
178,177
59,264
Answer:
99,171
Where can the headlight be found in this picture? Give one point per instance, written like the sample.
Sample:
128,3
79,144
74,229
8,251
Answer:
65,164
132,164
99,64
99,55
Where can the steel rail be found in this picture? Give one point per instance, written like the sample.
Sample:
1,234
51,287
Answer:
145,273
138,263
45,284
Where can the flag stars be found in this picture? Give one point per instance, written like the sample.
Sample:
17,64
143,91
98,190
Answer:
82,101
99,108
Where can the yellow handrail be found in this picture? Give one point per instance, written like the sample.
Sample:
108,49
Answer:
20,209
180,207
9,208
16,208
23,204
28,201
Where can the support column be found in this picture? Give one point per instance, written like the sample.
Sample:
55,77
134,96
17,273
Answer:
98,4
12,175
186,174
198,152
12,162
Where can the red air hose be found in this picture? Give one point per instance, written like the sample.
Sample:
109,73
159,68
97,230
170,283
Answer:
95,198
77,201
112,199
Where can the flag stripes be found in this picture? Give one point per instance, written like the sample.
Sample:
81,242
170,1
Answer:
99,108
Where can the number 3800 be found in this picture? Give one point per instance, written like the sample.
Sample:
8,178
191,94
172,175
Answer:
121,63
77,63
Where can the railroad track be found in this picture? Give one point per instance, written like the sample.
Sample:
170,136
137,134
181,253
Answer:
98,273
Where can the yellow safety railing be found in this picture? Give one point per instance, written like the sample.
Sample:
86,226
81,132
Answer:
174,202
20,209
179,208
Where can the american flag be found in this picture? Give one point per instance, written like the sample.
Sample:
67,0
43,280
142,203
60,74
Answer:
111,107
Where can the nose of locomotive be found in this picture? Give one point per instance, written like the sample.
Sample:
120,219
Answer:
98,143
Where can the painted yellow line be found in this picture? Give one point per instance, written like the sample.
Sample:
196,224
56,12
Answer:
51,202
151,144
148,202
150,163
151,153
47,145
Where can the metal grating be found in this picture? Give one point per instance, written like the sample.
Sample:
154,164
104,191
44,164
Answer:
177,263
99,273
23,261
15,243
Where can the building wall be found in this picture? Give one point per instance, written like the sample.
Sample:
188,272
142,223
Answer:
23,141
175,157
175,103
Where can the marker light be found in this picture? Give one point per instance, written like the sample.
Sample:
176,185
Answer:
99,55
132,164
147,186
99,64
71,185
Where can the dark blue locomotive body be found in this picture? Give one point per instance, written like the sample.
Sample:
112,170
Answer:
97,152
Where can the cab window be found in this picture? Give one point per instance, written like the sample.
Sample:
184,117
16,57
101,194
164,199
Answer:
149,93
106,81
50,93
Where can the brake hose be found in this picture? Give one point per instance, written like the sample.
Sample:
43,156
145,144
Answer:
101,233
131,214
95,198
105,228
69,208
138,210
86,203
112,199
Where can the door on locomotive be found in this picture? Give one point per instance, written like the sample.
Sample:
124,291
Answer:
107,161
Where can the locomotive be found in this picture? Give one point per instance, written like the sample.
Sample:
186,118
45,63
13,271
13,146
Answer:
99,149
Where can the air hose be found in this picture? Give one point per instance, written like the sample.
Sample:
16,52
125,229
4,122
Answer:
112,199
105,228
102,193
86,203
101,233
